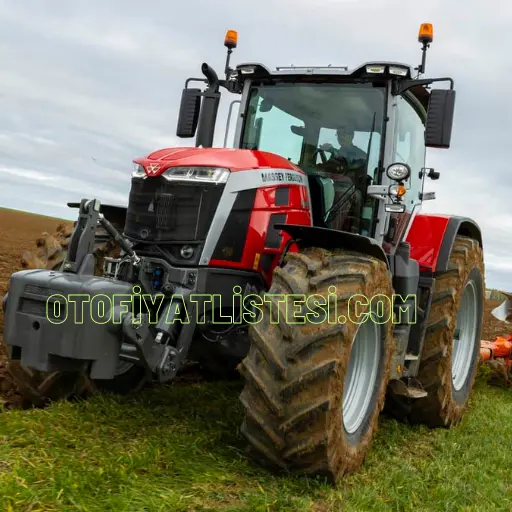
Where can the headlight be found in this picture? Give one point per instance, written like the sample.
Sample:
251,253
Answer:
398,172
395,208
198,174
398,70
375,69
138,171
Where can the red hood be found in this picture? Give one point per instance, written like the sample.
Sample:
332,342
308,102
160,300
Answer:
233,159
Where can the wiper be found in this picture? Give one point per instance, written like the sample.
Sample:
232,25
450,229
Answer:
368,153
336,207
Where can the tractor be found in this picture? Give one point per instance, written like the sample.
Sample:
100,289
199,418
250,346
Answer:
304,266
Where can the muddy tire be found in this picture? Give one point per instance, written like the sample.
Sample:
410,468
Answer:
450,356
129,378
39,388
310,408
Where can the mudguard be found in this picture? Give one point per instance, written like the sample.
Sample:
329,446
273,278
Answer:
312,236
432,236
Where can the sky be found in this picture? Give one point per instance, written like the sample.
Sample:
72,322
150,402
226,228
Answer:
86,86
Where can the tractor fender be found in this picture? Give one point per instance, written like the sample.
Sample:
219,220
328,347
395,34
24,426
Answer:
431,238
325,238
115,214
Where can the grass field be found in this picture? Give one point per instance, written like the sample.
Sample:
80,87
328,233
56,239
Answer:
178,448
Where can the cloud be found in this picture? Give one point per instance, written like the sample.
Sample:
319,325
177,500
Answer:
27,174
86,88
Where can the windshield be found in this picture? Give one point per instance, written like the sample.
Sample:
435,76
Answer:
331,131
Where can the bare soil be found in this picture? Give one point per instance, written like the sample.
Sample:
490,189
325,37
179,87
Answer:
19,232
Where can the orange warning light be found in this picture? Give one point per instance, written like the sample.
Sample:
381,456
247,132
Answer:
426,33
231,39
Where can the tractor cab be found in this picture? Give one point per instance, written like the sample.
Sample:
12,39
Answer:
330,127
360,134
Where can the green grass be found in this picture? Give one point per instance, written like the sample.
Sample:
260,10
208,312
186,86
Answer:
178,448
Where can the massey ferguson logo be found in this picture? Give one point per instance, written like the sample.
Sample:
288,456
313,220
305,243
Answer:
281,176
152,169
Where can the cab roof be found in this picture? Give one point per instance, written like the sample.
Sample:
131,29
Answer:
257,70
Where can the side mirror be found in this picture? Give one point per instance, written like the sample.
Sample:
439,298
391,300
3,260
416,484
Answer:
438,130
189,113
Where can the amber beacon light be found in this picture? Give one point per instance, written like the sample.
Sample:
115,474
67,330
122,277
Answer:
425,37
426,33
231,39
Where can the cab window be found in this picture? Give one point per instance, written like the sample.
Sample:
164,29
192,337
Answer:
409,148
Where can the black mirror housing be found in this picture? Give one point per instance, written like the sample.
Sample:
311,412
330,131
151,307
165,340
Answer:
189,113
439,125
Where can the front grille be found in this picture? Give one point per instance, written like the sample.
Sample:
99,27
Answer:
170,211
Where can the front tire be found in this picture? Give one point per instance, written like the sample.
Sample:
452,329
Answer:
129,378
314,391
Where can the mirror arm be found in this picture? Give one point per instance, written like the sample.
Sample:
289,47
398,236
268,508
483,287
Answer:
188,80
232,86
407,84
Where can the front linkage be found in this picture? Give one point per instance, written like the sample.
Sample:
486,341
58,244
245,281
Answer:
138,324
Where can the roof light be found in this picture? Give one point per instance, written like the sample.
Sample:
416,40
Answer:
231,39
397,70
426,33
247,70
375,69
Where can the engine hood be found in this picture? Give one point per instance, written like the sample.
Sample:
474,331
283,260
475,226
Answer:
233,159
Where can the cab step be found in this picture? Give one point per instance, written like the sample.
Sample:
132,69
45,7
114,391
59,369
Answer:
400,388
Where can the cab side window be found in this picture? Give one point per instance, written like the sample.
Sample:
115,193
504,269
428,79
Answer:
410,148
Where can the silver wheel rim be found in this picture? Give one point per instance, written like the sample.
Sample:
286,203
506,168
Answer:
361,375
464,337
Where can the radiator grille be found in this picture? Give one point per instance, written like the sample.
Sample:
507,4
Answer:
170,211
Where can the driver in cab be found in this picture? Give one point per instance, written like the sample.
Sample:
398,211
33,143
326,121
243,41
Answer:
355,158
347,150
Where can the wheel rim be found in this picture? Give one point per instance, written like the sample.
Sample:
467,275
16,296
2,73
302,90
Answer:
464,337
361,375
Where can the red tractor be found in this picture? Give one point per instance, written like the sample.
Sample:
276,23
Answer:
298,255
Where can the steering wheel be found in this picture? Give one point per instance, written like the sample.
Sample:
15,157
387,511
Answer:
337,164
321,152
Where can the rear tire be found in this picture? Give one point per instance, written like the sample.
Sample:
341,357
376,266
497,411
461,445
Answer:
448,368
303,412
39,388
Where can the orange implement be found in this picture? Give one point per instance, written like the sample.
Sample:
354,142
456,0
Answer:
499,348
